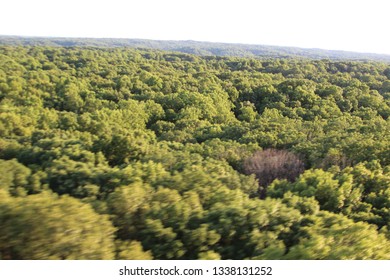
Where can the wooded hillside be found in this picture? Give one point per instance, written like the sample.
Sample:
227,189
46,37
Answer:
117,153
195,47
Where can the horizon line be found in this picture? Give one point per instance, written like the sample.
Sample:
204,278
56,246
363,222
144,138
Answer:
195,41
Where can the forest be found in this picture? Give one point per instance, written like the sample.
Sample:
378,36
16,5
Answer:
195,47
124,153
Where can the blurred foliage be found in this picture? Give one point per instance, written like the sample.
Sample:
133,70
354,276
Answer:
117,153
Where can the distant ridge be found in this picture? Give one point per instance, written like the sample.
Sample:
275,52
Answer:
195,47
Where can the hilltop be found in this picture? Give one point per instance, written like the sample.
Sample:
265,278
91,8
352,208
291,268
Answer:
195,47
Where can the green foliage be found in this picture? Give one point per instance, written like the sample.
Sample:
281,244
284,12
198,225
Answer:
43,226
131,250
138,154
333,236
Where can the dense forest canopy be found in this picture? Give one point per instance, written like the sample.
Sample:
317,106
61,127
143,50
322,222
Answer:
195,47
119,153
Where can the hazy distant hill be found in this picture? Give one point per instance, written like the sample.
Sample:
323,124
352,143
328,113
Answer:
195,47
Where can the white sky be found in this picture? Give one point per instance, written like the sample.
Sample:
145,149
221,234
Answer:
358,25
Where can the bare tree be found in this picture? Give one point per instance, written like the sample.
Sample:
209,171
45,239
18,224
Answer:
272,164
